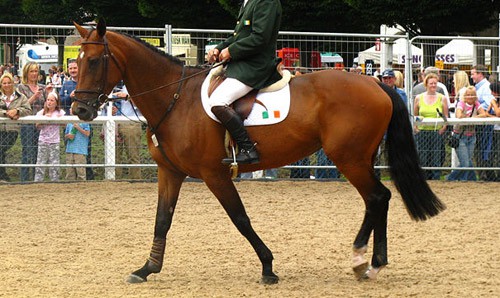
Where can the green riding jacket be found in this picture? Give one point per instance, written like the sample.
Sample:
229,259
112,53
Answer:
253,44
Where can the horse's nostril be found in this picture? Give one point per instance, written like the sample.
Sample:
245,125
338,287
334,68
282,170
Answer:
82,113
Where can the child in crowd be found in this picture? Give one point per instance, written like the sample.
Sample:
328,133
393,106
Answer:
49,139
77,136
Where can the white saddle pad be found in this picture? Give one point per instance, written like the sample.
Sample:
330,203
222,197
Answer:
275,109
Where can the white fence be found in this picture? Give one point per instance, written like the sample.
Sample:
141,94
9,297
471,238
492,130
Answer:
306,51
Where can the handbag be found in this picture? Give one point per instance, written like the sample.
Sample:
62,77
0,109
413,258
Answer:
453,139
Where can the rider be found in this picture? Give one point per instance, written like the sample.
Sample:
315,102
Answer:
251,56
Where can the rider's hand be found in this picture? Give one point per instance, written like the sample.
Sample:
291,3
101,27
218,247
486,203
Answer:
213,54
225,55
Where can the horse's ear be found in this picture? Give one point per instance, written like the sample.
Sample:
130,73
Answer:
83,32
101,27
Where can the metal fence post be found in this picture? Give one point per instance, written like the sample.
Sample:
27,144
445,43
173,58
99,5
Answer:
109,145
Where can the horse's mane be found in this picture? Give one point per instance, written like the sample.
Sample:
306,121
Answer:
153,48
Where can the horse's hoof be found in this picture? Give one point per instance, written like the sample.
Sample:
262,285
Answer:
270,279
360,270
372,272
135,279
369,274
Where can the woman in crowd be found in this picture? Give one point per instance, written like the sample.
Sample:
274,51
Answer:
36,94
49,139
429,137
460,83
468,107
400,79
13,105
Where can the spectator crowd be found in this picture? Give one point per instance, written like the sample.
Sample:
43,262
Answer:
460,94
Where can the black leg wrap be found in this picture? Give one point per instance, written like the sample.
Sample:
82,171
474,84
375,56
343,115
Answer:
381,207
379,257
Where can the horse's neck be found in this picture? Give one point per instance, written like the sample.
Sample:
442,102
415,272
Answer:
155,94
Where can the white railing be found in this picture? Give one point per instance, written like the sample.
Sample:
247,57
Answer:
347,45
109,128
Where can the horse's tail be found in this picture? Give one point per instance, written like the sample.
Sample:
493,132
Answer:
406,173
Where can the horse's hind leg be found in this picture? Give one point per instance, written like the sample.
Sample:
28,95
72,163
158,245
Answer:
376,197
229,198
375,219
169,185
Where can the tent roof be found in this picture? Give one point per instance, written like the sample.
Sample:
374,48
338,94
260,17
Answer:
457,51
398,51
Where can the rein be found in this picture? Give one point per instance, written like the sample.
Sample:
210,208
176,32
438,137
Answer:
177,93
181,79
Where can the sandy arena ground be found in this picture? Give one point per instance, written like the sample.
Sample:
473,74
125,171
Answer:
82,240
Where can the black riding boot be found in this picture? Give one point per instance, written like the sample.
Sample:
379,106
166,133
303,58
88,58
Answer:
232,122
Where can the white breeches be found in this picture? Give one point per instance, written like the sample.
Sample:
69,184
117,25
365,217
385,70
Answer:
228,92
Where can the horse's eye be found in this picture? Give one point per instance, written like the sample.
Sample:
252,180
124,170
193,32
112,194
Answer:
93,62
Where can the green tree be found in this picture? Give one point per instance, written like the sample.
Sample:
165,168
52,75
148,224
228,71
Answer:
11,12
430,17
416,16
118,13
131,13
187,14
324,16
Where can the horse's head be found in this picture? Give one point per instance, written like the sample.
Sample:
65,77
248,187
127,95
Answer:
96,75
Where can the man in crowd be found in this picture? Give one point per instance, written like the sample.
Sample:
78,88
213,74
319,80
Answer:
389,78
484,133
67,92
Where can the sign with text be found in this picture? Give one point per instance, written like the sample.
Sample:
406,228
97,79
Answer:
415,59
369,67
152,41
447,58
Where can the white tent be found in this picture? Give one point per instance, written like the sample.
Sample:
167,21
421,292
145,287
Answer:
457,51
398,53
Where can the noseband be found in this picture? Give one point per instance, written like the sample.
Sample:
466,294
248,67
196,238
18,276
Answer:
99,92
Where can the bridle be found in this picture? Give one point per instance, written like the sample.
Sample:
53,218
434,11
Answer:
99,92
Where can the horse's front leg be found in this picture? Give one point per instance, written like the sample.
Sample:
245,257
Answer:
230,200
169,185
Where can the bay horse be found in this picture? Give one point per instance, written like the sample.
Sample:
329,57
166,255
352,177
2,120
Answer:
345,114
